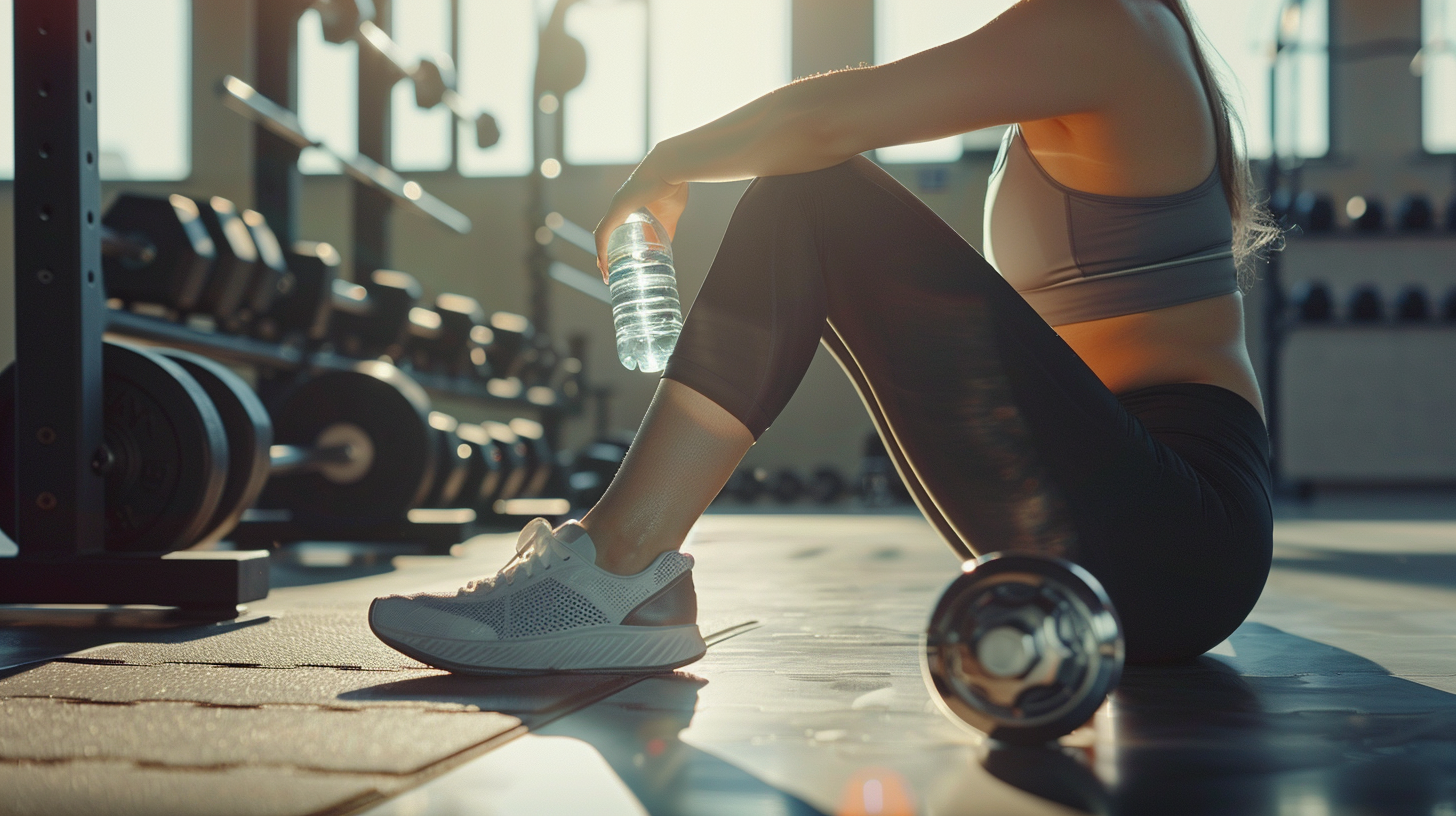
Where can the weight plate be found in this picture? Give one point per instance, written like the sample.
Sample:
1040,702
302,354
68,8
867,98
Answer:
249,433
169,457
1023,648
392,412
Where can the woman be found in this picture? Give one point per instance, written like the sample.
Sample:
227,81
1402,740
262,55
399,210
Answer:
1096,403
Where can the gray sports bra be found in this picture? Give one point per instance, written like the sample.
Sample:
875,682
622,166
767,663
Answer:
1079,256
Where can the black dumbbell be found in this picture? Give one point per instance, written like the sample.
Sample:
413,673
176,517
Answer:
512,337
826,486
234,266
487,471
1448,307
271,278
516,454
746,484
785,486
303,312
1023,648
1416,214
166,476
1312,302
1366,213
1365,305
1451,215
371,321
593,468
540,459
156,250
445,339
1412,305
1314,212
355,444
879,482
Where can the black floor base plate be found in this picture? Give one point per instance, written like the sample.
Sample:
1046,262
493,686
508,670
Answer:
198,580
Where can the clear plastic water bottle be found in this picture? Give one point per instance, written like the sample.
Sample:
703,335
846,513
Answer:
645,307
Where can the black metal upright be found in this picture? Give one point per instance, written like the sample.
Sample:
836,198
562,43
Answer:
60,316
60,308
275,75
377,78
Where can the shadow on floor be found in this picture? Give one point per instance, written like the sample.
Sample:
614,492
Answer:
1426,569
1288,726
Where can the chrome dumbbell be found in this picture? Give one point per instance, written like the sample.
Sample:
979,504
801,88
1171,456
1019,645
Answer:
1023,648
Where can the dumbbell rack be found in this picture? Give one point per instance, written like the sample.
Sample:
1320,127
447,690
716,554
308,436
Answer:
1280,323
60,317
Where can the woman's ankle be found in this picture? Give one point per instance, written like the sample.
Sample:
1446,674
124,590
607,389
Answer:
622,557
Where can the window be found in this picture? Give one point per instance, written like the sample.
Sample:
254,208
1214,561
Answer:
497,74
328,95
711,57
1243,32
1437,67
606,116
904,27
420,139
144,89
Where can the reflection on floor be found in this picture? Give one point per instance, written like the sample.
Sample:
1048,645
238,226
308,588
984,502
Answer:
1337,697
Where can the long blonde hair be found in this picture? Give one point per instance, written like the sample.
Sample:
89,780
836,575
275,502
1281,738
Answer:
1255,232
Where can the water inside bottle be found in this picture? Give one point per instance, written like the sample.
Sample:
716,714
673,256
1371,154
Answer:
645,307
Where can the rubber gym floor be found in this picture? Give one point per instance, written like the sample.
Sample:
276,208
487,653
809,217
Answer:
1338,696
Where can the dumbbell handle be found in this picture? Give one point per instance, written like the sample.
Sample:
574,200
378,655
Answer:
286,459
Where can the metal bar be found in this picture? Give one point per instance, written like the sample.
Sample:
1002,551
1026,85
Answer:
589,285
59,305
246,100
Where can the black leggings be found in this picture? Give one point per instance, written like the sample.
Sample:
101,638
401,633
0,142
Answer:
1005,438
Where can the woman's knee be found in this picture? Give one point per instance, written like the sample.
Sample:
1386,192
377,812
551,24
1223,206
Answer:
800,187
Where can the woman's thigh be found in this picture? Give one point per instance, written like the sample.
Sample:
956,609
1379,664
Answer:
1013,442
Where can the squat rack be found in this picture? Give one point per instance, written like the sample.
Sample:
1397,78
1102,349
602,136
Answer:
60,316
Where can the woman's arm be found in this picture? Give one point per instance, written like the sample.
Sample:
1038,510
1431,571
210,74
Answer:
1038,60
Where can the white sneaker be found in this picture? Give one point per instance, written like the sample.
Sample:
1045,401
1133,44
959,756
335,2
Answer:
552,609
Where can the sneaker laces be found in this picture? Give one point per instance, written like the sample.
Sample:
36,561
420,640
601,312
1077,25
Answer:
533,549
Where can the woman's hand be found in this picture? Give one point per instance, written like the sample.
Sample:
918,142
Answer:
645,188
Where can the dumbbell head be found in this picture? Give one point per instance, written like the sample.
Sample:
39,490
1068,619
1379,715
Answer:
1412,305
160,251
1366,305
271,278
1022,648
826,486
511,336
1416,214
1448,307
1451,215
304,310
487,132
383,417
785,486
540,460
1314,212
1366,213
1312,302
746,484
232,271
342,18
515,460
486,469
453,462
380,329
592,470
443,339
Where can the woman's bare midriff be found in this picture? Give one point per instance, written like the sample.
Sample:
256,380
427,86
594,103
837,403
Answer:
1200,342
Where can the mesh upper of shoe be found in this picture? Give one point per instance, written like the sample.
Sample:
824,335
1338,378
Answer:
570,594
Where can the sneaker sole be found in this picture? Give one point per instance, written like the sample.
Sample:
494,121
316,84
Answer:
599,650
